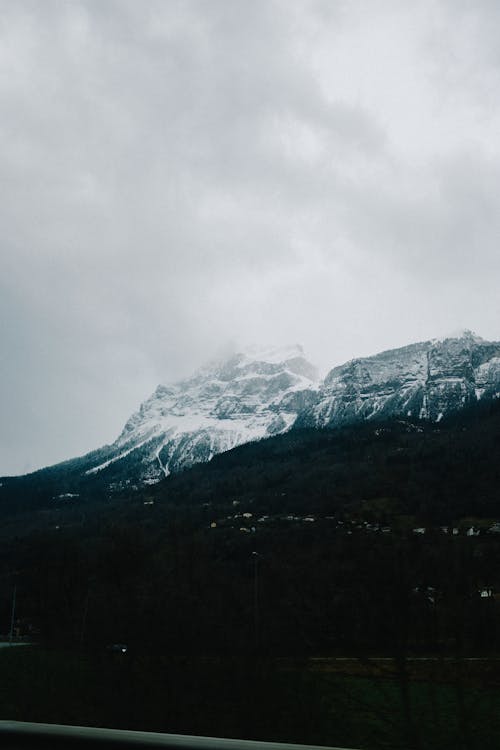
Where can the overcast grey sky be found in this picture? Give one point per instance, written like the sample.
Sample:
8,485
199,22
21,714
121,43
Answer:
180,174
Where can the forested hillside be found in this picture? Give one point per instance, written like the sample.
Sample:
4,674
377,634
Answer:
371,537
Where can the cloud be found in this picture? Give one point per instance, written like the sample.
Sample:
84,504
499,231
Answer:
177,174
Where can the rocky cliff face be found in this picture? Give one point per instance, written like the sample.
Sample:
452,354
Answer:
425,380
246,397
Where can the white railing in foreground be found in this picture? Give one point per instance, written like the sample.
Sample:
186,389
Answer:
17,734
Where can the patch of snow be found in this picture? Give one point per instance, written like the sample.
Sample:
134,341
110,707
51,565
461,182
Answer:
163,468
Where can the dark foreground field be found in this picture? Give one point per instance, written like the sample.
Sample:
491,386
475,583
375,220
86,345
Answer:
353,703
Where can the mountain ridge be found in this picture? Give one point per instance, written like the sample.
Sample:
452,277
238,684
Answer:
266,391
426,380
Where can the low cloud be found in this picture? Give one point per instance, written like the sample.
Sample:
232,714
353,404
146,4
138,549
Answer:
177,175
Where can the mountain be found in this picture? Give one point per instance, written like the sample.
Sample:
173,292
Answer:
249,396
427,380
238,399
259,393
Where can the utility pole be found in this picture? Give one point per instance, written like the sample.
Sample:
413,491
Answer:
13,614
256,599
84,619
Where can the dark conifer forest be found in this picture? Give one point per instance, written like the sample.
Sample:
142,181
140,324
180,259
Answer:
373,541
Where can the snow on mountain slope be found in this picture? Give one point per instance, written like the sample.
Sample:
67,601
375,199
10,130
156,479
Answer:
425,380
246,397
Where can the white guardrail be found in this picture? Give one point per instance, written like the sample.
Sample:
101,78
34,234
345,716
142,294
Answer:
20,734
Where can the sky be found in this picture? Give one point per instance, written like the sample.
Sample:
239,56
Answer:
182,176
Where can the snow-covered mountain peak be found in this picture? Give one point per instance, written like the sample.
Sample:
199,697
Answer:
245,396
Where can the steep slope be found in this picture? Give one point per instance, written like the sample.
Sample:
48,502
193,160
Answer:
226,403
427,380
